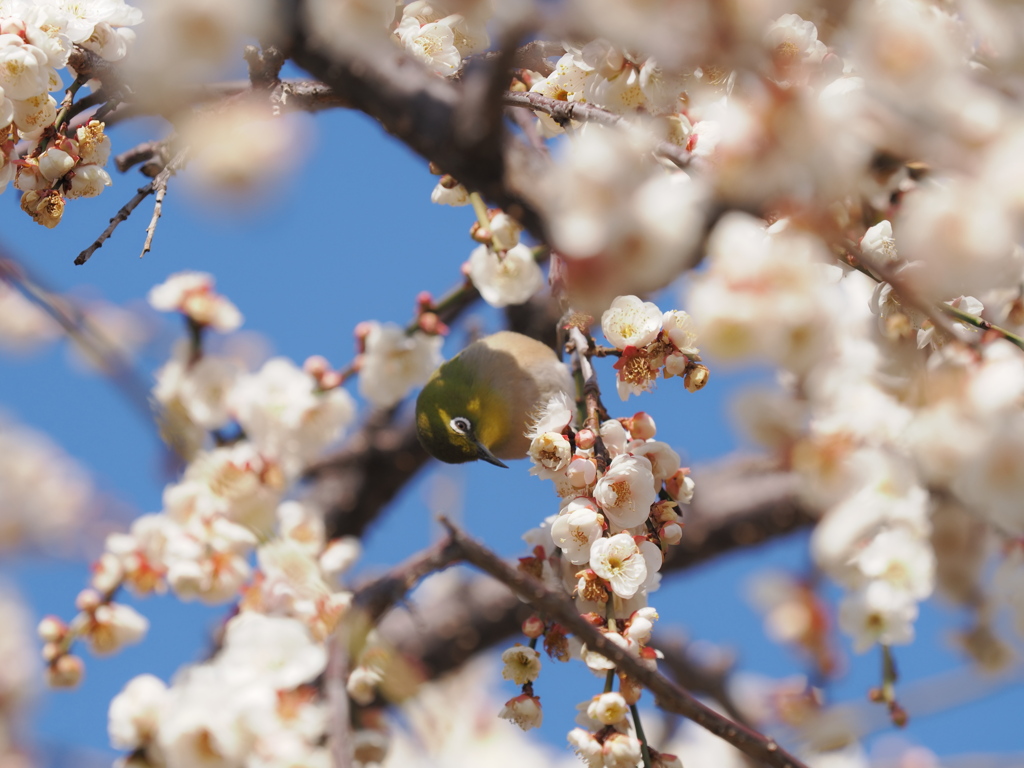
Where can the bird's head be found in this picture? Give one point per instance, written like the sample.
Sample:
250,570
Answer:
458,418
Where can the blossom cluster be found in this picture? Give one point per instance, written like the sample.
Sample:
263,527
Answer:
252,702
441,39
36,40
620,490
229,505
651,343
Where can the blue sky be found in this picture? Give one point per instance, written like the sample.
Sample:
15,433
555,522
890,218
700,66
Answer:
353,236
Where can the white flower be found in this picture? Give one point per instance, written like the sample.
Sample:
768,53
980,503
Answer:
505,278
191,293
902,558
134,714
362,684
93,143
573,531
621,751
302,524
550,453
24,69
641,625
340,555
614,436
631,322
433,44
211,562
293,585
269,650
599,664
618,561
522,664
524,711
54,163
626,491
114,626
88,180
581,473
665,462
586,747
679,327
394,362
793,42
878,613
555,416
287,416
879,243
35,113
608,708
454,196
201,387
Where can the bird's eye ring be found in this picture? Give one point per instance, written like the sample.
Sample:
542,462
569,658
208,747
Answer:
460,425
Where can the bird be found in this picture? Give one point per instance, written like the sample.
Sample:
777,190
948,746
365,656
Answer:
480,404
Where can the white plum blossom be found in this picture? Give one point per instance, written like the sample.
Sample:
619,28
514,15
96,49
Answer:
878,613
902,558
192,294
88,180
576,528
617,560
272,650
432,44
134,714
340,555
626,491
394,362
522,664
608,708
524,711
505,277
113,626
286,415
200,387
631,322
550,453
454,195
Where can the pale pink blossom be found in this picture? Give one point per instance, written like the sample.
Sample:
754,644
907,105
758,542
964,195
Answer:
505,278
524,711
522,664
394,362
618,560
626,491
631,322
579,525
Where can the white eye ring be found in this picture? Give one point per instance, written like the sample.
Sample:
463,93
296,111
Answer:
460,425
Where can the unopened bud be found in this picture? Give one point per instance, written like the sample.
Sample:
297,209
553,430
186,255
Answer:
670,534
680,486
875,695
331,379
533,627
585,439
431,324
51,652
361,331
630,689
88,600
51,629
424,301
899,715
316,366
65,672
448,181
696,378
435,169
480,234
641,426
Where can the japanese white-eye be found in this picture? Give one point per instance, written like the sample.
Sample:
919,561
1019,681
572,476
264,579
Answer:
479,404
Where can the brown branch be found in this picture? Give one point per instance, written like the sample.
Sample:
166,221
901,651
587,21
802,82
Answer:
668,695
126,210
422,110
567,111
739,503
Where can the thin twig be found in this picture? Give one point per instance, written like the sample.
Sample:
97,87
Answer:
669,695
126,209
160,185
84,333
566,111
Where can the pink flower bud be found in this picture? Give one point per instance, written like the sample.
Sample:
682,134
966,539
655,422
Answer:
331,379
88,600
65,672
585,439
533,627
424,301
642,426
51,652
316,366
671,534
51,629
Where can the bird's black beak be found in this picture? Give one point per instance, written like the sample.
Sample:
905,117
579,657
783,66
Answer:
486,455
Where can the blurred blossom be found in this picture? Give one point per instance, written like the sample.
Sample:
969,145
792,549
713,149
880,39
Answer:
18,678
45,496
23,325
242,152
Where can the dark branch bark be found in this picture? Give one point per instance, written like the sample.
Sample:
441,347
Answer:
739,503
